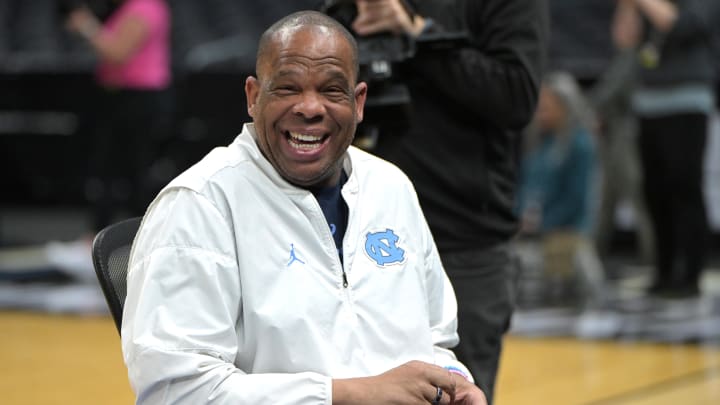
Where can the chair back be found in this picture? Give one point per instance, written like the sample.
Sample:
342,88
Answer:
110,254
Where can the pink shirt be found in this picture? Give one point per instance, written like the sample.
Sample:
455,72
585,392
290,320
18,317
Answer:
149,67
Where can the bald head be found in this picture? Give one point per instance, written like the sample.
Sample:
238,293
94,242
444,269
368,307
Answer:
296,22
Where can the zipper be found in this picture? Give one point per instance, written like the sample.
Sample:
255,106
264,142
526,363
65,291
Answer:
326,230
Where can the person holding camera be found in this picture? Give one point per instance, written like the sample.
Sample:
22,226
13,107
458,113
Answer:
459,148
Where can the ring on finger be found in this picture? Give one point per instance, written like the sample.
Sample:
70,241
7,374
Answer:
438,396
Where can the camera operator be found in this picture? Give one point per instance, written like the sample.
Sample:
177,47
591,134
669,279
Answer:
468,108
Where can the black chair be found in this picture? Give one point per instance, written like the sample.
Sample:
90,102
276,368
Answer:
110,254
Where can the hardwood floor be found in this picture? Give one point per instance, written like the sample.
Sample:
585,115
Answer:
49,360
572,372
53,359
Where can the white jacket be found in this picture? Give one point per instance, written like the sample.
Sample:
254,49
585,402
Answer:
235,288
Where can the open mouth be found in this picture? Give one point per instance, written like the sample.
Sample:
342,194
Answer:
305,142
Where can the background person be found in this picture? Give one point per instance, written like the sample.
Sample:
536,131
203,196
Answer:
673,100
557,191
133,111
459,147
611,98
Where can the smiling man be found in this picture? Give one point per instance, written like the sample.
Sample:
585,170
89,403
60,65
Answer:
290,267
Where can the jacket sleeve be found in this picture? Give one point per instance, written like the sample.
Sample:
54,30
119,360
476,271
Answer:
497,77
183,314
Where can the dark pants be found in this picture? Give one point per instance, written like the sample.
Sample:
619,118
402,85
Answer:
672,150
128,127
485,289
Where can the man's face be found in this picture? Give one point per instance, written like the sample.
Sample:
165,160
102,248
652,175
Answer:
305,104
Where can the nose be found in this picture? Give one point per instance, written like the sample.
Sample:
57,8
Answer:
310,105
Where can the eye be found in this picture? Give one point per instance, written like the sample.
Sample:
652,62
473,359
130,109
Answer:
285,90
335,92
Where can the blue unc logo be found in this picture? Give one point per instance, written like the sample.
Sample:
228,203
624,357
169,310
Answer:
382,248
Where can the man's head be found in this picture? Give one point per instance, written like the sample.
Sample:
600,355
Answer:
305,101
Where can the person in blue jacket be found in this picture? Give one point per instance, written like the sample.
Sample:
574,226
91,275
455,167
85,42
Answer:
558,181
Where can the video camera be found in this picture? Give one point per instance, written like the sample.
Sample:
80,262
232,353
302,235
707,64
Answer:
380,55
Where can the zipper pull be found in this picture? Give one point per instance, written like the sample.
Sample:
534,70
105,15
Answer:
345,282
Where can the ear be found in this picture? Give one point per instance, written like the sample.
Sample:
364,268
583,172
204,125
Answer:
360,96
252,89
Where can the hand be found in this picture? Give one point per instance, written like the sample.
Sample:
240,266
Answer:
467,393
376,16
662,14
626,25
414,382
530,221
83,21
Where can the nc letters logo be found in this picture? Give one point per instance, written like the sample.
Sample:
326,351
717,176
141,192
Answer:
382,248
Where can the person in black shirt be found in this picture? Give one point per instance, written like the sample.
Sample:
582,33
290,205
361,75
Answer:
459,147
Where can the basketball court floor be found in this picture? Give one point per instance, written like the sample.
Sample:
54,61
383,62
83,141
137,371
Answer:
70,359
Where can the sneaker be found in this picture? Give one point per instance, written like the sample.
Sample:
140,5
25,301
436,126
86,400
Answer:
598,324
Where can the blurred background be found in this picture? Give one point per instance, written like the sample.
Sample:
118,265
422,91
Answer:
625,347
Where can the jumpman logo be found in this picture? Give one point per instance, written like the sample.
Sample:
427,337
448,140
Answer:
293,257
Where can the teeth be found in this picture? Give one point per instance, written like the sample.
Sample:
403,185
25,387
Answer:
304,142
305,137
304,146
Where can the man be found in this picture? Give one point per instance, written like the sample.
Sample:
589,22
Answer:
673,100
459,149
290,267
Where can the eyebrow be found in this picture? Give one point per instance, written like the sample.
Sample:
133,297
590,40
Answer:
286,72
333,74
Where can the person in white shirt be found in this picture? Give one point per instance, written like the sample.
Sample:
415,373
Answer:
291,267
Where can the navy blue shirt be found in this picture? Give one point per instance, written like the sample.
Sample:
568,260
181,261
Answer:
335,210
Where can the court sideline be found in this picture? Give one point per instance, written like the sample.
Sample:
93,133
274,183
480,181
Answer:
64,359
